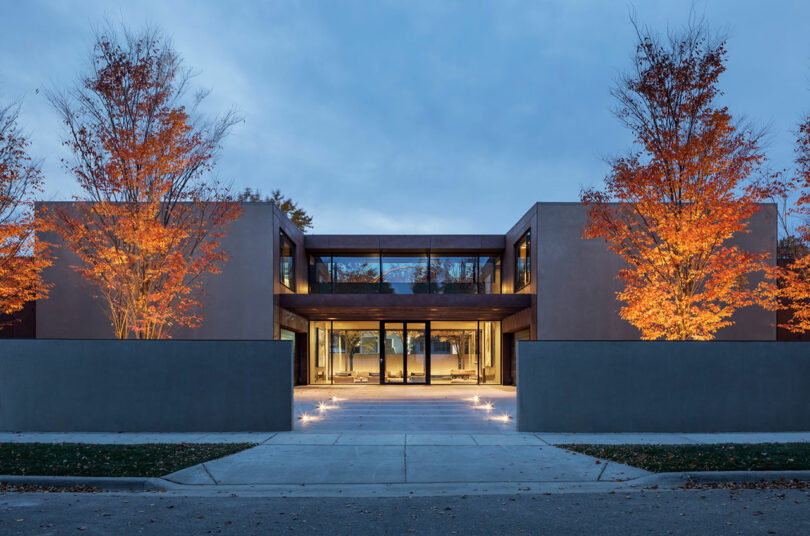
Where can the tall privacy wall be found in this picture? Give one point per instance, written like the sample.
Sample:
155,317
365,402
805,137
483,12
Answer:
52,385
633,386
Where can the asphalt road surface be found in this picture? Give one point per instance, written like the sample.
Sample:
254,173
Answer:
715,512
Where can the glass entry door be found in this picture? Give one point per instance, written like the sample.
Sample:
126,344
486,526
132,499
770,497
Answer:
404,359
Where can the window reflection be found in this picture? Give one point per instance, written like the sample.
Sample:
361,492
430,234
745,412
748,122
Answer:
356,275
404,274
453,275
320,275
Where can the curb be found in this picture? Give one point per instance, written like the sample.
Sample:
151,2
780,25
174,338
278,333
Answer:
707,477
124,483
660,480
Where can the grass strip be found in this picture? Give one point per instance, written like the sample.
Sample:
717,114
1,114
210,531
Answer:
721,457
83,459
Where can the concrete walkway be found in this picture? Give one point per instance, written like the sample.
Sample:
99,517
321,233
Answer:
397,458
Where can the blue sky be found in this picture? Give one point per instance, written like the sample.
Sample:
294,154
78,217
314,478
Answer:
412,116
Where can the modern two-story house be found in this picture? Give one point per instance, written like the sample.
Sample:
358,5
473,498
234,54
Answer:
405,309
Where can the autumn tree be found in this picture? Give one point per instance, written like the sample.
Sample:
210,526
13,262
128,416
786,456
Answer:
670,206
147,224
794,277
297,215
22,257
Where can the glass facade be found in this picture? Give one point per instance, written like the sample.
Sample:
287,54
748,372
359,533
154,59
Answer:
523,256
413,273
286,261
405,352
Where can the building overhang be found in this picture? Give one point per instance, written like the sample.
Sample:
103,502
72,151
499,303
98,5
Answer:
405,306
403,243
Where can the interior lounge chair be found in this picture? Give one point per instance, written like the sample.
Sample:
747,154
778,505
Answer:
344,377
461,374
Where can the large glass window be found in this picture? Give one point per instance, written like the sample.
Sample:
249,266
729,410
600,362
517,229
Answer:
416,359
489,275
286,261
359,274
453,352
320,365
523,255
320,275
394,353
489,337
453,275
356,352
404,274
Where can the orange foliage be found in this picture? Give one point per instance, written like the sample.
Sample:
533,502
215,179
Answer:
148,224
794,291
22,257
670,208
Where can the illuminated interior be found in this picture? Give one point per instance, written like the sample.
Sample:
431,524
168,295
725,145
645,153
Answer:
396,353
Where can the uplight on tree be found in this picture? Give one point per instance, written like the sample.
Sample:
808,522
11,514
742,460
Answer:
671,205
147,223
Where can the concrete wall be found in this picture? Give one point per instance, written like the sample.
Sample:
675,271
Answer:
635,386
577,285
237,304
145,386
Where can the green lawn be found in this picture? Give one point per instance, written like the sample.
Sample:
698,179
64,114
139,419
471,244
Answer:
723,457
82,459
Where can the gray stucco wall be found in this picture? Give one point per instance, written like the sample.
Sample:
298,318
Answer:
577,285
237,304
635,386
145,386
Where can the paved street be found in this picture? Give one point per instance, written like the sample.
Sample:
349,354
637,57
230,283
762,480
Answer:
692,512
